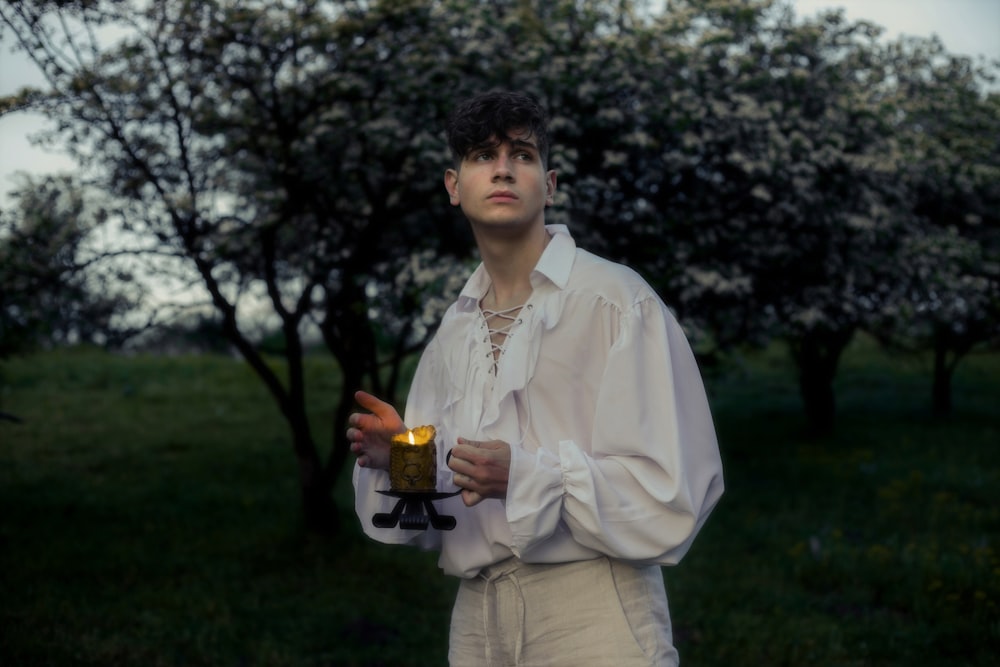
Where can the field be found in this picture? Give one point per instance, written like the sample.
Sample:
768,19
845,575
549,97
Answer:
149,516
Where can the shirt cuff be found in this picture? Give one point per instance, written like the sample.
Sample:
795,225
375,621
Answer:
534,497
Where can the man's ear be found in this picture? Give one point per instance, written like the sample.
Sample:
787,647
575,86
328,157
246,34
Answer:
550,187
451,185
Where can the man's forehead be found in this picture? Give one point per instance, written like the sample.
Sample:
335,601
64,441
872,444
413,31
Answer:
515,137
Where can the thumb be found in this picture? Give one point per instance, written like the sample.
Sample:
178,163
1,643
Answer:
374,404
471,498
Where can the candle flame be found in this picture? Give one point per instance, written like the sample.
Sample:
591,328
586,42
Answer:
418,435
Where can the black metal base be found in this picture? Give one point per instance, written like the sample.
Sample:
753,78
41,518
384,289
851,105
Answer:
410,514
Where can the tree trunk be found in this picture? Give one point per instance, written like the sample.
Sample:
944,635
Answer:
316,485
950,347
941,389
818,399
349,337
318,509
352,374
817,354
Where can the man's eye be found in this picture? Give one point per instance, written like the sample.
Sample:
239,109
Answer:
484,155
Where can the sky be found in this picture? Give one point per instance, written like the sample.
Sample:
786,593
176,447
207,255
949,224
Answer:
966,27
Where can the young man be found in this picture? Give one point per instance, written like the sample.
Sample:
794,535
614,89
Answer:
578,427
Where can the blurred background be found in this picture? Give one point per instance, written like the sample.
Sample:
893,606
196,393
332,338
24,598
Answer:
219,219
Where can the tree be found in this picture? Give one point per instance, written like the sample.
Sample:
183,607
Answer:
260,146
279,152
948,125
54,290
752,180
289,154
831,236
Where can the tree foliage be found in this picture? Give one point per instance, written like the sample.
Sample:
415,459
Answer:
948,129
773,178
55,289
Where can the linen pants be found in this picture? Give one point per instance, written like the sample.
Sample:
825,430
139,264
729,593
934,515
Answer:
595,613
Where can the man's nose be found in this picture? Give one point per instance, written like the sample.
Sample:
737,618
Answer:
502,169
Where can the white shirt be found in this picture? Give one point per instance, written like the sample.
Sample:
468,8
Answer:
613,450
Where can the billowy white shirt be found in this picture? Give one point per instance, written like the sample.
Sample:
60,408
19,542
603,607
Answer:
613,449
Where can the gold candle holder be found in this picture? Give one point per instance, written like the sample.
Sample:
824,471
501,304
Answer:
413,460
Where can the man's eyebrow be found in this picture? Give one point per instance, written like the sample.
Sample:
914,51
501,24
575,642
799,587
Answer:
483,145
524,143
493,143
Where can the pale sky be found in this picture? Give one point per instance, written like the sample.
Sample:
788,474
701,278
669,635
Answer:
966,27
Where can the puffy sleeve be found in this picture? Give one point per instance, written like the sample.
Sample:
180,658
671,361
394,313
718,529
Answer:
367,481
652,471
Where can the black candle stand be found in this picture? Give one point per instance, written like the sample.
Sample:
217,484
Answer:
414,511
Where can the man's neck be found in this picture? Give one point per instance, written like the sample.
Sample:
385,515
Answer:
509,260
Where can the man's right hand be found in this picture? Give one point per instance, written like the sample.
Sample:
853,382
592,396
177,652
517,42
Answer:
371,433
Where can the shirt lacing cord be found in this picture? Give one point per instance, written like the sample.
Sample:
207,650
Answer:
498,335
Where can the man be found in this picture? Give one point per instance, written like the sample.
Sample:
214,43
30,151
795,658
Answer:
578,427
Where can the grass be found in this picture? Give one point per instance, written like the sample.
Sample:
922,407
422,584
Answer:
875,546
149,516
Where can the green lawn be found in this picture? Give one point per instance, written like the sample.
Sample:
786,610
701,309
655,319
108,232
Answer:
149,516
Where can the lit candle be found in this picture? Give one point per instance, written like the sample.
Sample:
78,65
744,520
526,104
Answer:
413,460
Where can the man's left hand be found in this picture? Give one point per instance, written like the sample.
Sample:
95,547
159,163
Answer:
481,469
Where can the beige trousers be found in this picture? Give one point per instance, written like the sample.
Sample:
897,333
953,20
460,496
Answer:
596,613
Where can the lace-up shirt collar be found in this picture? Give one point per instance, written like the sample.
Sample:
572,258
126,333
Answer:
554,267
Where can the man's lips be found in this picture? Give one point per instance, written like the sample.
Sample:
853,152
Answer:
502,195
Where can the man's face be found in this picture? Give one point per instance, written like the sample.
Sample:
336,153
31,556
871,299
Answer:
503,185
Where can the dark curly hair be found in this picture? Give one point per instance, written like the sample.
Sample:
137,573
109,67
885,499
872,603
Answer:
488,118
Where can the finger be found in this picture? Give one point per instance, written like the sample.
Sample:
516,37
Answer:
374,404
471,498
465,451
361,436
492,445
365,422
469,486
461,464
472,456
